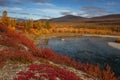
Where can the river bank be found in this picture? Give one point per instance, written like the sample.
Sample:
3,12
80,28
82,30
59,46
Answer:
62,35
114,45
95,35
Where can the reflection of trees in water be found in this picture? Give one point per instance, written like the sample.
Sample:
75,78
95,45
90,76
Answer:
44,42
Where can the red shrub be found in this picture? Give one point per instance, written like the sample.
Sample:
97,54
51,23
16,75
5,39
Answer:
16,55
46,71
3,28
88,68
12,39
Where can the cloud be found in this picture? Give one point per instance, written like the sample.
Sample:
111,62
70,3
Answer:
91,11
17,2
36,1
46,4
13,2
43,16
85,0
36,14
24,13
48,17
16,8
111,3
12,8
66,13
12,12
21,13
53,10
4,2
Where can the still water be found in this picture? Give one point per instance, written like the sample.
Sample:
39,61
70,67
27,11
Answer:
94,50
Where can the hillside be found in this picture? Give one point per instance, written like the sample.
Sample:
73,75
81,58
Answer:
113,18
68,18
21,59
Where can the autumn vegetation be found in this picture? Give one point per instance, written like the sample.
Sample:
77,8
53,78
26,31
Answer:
17,47
21,49
39,27
46,71
117,40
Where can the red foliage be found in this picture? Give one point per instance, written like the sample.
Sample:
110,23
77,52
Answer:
16,55
3,28
12,39
46,71
96,71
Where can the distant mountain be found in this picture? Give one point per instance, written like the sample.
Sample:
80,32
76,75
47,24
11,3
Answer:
111,16
41,20
68,18
112,19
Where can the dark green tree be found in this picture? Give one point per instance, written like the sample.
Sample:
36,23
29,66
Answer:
47,25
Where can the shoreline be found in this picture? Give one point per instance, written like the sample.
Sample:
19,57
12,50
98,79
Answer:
61,35
114,45
95,35
76,34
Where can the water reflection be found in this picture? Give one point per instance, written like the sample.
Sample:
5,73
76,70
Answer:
94,50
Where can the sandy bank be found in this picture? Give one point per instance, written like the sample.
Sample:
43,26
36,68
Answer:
111,36
114,45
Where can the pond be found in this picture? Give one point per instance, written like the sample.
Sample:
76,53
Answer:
94,50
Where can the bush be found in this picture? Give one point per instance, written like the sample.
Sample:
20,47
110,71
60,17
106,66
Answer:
117,40
15,55
3,28
46,72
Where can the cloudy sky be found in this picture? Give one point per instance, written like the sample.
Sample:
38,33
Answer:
44,9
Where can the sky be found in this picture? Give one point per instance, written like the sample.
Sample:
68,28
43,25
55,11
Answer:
46,9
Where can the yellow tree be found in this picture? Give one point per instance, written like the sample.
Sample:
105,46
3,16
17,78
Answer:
38,24
5,18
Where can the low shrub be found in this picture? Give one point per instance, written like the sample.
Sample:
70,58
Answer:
46,72
11,38
15,55
117,40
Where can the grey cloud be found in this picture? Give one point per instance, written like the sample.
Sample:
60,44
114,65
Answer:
66,13
36,14
4,2
21,13
91,11
92,8
111,3
24,13
40,0
85,0
12,12
10,2
18,2
45,16
36,1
